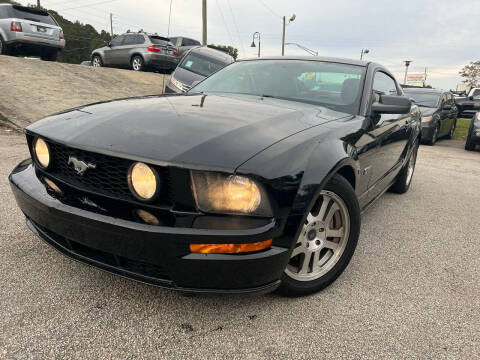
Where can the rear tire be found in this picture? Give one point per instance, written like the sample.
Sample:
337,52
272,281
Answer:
327,241
97,61
50,56
4,50
404,178
434,138
452,130
137,63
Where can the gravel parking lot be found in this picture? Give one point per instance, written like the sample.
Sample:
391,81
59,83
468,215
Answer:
412,289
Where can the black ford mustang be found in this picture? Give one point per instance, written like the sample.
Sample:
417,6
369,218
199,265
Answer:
254,180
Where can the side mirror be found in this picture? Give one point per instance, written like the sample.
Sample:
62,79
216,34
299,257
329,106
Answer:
109,44
470,98
447,107
392,105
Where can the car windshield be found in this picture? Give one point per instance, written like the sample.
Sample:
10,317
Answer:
201,65
424,99
21,12
333,85
476,94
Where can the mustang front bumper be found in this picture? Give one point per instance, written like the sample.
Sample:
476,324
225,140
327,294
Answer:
153,254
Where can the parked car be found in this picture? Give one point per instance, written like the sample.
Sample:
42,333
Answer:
254,180
29,31
473,137
137,51
468,106
195,66
184,44
439,113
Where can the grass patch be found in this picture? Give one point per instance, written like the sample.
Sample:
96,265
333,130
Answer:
461,131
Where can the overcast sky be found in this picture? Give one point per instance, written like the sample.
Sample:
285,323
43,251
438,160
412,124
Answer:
441,35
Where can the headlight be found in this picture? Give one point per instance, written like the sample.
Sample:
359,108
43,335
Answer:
232,194
143,181
426,118
42,152
177,83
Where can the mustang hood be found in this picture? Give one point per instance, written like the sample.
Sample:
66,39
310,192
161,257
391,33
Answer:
201,131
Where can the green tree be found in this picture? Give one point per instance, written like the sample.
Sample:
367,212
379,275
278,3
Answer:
233,52
471,73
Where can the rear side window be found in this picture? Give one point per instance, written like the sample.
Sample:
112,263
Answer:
32,14
133,40
189,42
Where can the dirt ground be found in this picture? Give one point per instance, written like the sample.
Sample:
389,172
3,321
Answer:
32,89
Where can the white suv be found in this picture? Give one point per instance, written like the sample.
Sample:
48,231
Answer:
29,31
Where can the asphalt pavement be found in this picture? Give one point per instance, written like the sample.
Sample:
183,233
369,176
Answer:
411,291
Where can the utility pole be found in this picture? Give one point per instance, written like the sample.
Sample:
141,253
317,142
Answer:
293,17
204,19
38,3
425,78
111,24
407,64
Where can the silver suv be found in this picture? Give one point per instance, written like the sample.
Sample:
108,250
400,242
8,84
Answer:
29,31
137,51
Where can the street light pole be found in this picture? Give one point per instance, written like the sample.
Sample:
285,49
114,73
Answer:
407,64
283,32
256,35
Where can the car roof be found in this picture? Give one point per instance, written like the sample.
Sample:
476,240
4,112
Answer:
216,54
314,58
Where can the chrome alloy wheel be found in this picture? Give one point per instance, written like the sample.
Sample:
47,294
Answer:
96,62
411,166
323,239
137,64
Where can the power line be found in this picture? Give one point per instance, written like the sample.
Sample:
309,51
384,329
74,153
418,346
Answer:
81,6
236,27
269,9
225,23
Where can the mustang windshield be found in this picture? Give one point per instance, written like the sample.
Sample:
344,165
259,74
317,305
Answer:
333,85
424,99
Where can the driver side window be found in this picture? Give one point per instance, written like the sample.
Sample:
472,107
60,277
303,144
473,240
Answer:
383,85
117,41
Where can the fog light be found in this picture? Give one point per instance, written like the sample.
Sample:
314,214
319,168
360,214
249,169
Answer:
230,248
147,217
53,186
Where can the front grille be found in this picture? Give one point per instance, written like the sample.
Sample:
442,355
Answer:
108,178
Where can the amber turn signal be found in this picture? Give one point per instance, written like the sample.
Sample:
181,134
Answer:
230,248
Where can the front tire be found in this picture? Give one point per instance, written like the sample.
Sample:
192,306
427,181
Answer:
97,61
327,241
137,63
404,179
469,145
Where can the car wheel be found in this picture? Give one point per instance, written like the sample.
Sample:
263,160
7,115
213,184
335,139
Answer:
49,56
404,178
137,63
3,47
327,241
452,129
97,61
434,138
469,145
